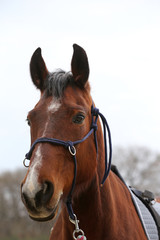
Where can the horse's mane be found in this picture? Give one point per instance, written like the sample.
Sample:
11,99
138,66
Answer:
57,82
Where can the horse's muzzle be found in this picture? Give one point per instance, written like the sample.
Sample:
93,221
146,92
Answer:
37,203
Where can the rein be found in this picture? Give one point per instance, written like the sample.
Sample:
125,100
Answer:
71,147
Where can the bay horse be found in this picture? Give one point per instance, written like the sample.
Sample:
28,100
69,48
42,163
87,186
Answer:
67,166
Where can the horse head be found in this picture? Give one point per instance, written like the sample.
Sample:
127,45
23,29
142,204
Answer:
63,112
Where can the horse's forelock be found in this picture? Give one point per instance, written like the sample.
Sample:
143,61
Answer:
57,82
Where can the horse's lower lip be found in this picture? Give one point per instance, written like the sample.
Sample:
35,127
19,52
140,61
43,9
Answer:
44,219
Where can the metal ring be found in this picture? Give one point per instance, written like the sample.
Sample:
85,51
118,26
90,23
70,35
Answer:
24,163
77,231
72,150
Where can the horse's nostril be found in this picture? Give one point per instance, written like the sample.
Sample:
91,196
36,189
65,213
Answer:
47,191
28,202
44,195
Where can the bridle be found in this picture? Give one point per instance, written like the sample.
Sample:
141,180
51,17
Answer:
71,147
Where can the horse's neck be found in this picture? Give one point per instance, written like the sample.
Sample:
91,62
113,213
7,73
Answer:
108,212
90,207
104,212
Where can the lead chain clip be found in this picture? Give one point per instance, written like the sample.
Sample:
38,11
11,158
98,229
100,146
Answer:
79,232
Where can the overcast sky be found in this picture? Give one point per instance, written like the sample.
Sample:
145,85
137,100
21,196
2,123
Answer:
122,41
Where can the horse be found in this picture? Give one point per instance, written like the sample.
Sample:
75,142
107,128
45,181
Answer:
68,178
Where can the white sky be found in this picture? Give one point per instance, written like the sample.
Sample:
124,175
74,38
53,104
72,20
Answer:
122,41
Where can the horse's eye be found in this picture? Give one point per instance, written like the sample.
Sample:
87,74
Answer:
28,122
78,119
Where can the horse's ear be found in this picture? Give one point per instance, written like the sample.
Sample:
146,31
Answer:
80,66
38,69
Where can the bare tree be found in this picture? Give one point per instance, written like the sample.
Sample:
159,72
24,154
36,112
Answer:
139,167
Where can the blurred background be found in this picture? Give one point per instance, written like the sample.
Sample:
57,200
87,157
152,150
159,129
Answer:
122,41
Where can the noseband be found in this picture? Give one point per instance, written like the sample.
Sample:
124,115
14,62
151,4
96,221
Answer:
71,147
